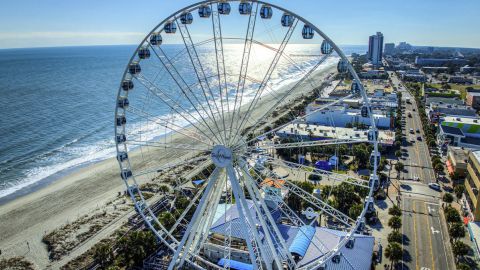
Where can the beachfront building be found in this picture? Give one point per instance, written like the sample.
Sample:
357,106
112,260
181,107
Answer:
340,116
419,61
375,49
305,243
306,131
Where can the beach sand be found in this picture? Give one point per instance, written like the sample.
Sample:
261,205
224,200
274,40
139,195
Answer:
25,220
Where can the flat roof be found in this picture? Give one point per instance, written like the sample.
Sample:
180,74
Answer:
465,120
452,130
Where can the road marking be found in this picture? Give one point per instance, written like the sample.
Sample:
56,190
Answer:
425,268
431,245
432,203
434,231
415,235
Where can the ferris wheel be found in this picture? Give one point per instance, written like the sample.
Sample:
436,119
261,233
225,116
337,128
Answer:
206,103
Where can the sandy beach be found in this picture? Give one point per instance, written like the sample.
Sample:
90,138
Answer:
25,220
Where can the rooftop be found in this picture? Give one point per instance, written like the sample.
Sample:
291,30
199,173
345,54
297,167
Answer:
452,131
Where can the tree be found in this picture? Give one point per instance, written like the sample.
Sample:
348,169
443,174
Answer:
439,167
355,210
164,189
448,198
398,153
103,254
462,266
456,231
395,237
394,252
136,246
181,202
459,190
460,249
452,215
345,196
395,223
399,166
167,219
395,211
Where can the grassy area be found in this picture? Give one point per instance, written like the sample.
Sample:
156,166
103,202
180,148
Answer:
459,87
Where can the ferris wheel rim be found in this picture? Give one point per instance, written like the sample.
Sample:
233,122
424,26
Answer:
342,56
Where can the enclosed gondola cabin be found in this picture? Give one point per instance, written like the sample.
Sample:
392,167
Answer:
372,134
342,66
125,174
245,8
307,32
134,68
326,48
204,11
127,85
121,120
170,27
156,39
266,12
123,103
144,53
121,138
122,156
287,20
186,18
224,8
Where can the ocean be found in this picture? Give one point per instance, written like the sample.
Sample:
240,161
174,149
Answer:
57,109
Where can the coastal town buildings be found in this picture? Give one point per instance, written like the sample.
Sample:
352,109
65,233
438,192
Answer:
375,48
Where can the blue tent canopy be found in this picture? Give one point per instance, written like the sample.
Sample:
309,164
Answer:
235,264
198,182
302,240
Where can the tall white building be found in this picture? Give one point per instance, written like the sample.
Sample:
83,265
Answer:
375,48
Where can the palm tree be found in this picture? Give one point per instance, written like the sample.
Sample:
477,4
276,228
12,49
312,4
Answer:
460,249
456,231
103,254
394,252
395,223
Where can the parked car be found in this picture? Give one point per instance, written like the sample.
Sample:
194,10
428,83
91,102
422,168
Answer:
418,130
409,115
411,131
419,138
435,186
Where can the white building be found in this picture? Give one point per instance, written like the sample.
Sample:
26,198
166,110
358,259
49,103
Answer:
340,116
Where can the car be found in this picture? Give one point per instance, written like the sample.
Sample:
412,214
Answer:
434,186
411,131
413,109
419,138
416,178
418,130
409,115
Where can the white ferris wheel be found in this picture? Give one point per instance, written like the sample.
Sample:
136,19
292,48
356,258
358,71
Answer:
207,96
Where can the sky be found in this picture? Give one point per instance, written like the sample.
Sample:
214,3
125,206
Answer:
48,23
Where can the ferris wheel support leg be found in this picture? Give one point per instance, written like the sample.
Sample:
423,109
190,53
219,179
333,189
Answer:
282,246
197,216
245,215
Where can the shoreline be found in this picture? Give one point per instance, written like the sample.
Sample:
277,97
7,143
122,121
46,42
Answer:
71,194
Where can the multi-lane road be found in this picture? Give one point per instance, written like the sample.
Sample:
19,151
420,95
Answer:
415,153
425,241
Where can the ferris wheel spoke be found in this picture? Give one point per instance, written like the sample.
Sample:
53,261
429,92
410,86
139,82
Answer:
185,89
294,121
289,213
170,125
266,219
266,78
256,248
326,175
170,165
220,61
243,67
287,93
325,207
178,146
200,73
175,106
184,246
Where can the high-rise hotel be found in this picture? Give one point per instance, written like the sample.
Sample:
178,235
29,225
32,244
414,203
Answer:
375,48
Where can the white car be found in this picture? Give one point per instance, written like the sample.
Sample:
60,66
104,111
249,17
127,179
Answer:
435,186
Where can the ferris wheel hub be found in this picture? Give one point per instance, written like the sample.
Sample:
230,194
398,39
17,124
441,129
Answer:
221,156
